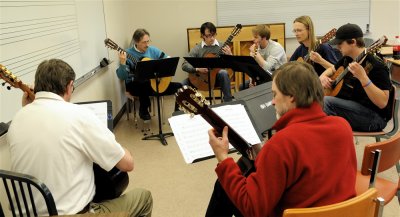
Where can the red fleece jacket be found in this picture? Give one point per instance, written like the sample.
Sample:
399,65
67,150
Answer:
309,162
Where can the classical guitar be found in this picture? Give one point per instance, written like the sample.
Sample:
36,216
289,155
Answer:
328,36
14,81
200,80
342,78
191,101
164,82
109,185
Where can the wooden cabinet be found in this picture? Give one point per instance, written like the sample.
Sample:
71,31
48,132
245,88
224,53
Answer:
240,43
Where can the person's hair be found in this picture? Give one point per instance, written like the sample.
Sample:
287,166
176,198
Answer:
138,34
359,42
262,30
208,25
306,20
299,80
53,75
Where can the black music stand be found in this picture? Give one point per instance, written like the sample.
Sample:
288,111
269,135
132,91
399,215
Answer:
248,65
156,69
207,62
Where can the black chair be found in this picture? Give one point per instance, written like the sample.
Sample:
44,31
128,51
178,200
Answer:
20,197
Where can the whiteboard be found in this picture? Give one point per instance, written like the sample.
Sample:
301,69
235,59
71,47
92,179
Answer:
32,31
326,14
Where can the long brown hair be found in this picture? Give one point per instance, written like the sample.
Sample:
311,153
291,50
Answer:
306,20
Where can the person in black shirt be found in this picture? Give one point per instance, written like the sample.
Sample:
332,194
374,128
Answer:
321,56
364,95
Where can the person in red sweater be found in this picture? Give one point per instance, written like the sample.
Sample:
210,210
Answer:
310,161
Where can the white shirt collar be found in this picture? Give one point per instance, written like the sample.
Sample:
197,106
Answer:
134,46
213,44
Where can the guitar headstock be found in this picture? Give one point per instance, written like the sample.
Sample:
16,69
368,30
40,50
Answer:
11,79
328,36
191,101
374,47
236,30
8,77
110,44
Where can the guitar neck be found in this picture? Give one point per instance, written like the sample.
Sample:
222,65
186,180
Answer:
128,55
360,58
235,139
25,88
225,43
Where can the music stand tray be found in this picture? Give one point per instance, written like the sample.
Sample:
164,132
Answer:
156,69
207,62
248,65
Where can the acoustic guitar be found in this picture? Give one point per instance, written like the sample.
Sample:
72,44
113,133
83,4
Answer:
342,79
328,36
164,81
109,185
191,101
200,80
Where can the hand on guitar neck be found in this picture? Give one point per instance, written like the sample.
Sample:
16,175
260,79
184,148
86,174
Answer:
219,145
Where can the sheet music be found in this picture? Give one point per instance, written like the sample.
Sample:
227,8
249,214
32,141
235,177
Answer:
191,134
99,109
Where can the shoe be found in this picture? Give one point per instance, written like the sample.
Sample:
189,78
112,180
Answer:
144,115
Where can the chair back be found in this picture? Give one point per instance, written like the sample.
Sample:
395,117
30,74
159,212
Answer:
19,189
390,154
364,205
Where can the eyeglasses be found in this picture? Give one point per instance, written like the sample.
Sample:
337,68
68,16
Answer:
297,30
210,35
145,42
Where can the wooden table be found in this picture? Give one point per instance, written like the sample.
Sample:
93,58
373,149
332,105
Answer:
115,214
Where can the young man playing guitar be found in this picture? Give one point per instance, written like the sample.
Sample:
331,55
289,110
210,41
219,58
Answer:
321,56
268,54
295,166
57,142
210,46
142,49
364,94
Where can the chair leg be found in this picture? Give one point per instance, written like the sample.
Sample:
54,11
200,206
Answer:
127,107
356,140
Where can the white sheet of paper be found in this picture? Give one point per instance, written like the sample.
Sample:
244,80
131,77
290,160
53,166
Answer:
191,134
99,109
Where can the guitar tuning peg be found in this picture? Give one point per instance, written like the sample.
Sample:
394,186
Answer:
8,87
4,83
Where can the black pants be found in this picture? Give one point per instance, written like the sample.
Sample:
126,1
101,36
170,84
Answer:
220,204
143,90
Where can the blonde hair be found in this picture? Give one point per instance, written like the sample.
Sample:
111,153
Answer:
306,20
262,30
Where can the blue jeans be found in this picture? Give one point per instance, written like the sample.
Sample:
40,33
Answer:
223,81
360,117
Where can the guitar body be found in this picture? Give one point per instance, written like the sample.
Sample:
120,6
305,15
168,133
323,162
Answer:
300,59
164,82
109,185
200,80
336,89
